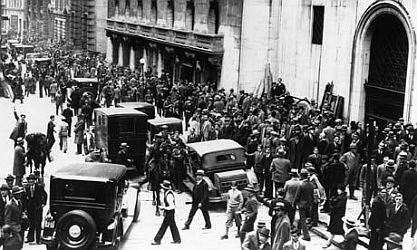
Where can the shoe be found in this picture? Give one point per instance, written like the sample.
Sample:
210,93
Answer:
206,228
155,243
237,236
306,239
185,228
326,246
353,198
176,242
29,241
224,237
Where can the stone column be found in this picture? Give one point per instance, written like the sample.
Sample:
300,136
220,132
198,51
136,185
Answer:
145,57
132,57
109,52
160,63
120,59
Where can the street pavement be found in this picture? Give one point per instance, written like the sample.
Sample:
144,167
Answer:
141,233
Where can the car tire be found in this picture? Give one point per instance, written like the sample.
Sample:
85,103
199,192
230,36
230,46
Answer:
137,208
83,225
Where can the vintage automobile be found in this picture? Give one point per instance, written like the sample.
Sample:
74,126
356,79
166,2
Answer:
91,205
23,48
144,107
155,126
116,125
42,62
87,85
223,161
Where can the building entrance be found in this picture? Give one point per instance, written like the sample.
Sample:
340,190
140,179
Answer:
385,87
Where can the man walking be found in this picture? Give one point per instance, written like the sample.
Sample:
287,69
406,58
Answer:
251,213
50,137
234,207
35,197
280,169
377,221
21,127
13,212
68,114
352,161
19,169
304,200
200,201
282,227
169,216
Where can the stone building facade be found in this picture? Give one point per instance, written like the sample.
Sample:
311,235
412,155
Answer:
193,40
15,13
367,48
38,18
59,11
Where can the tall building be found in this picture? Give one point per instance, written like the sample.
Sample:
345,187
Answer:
38,18
15,13
59,11
193,40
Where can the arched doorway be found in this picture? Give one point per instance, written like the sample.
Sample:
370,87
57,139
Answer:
385,88
383,57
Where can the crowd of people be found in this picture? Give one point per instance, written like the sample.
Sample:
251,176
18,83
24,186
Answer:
305,158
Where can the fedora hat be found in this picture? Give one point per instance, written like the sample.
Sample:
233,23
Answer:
294,172
166,184
263,231
9,178
19,140
17,190
124,145
31,176
350,221
304,172
250,188
200,172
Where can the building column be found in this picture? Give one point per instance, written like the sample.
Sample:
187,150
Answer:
145,57
109,51
132,57
120,59
160,63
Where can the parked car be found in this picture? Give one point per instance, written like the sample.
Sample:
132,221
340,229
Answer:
91,206
223,161
144,107
116,125
87,85
156,125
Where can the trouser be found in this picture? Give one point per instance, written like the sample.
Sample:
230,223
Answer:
169,221
79,148
261,178
63,143
50,143
314,214
268,187
231,214
204,211
302,222
35,221
376,240
58,105
69,128
20,98
247,227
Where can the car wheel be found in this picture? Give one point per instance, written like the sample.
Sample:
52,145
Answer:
137,208
76,230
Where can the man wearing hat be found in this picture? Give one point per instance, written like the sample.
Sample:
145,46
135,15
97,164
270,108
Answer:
10,181
200,200
280,169
377,221
351,233
272,212
234,208
5,197
122,155
19,169
304,200
21,127
35,197
13,211
399,218
282,226
250,212
352,161
291,186
257,240
294,243
169,216
384,171
402,166
408,183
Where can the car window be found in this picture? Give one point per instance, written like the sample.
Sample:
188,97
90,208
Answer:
225,157
126,126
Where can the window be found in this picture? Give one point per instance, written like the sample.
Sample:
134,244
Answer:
318,19
189,16
127,8
213,22
154,12
170,14
139,11
228,157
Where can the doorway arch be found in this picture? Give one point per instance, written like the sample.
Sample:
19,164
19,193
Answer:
374,80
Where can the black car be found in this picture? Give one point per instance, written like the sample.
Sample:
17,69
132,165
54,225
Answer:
91,206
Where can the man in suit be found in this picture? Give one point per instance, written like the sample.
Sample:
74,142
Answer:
4,191
250,212
280,168
13,211
352,160
282,226
294,243
257,240
377,221
288,207
304,200
35,201
408,183
200,200
19,168
399,217
380,153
